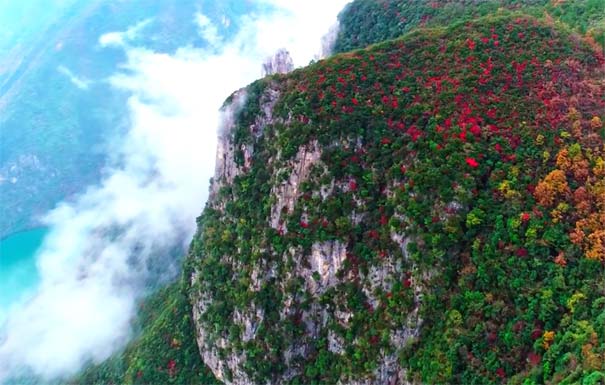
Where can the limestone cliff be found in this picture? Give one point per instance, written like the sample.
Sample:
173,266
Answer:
367,221
321,268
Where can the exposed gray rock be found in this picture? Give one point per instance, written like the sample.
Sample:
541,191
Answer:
335,343
249,322
326,259
226,169
317,270
209,348
288,192
280,63
328,40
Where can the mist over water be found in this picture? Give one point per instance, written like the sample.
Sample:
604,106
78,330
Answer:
103,245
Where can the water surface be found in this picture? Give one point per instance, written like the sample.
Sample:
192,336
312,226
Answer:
18,273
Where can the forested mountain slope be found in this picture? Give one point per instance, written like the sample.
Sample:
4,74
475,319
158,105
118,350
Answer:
426,210
365,22
430,208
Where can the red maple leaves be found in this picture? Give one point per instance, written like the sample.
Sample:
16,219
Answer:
472,162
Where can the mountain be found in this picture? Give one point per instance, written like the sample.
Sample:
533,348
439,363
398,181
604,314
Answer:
422,210
413,207
366,22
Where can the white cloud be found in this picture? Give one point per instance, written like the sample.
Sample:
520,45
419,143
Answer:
121,39
300,26
79,82
208,31
96,257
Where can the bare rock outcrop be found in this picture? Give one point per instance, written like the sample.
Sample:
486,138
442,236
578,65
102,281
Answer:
280,63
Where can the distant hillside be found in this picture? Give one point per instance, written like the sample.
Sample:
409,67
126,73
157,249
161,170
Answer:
365,22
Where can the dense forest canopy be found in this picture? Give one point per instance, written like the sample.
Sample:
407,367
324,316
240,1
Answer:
365,22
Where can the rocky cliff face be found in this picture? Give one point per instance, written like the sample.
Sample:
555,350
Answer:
317,270
280,63
363,209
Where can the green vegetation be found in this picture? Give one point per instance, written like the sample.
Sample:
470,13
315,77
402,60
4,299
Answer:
447,136
165,351
366,22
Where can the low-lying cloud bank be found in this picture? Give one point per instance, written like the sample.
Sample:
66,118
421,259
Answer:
104,245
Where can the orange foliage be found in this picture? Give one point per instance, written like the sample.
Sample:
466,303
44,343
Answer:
588,199
563,161
596,245
589,232
560,259
592,360
581,200
547,339
554,184
580,169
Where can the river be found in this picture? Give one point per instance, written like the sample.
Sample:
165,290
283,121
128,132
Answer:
18,272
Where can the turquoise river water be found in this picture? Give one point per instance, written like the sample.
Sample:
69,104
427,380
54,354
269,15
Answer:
18,273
